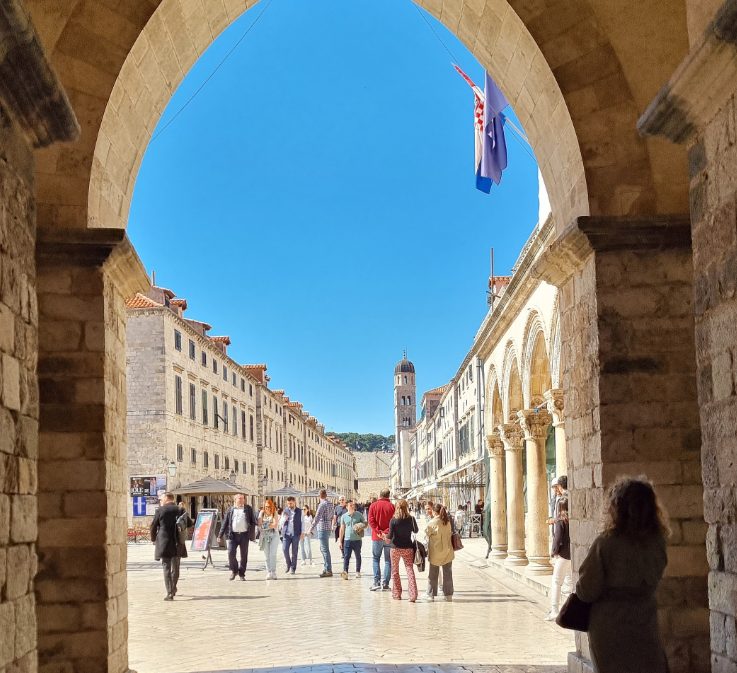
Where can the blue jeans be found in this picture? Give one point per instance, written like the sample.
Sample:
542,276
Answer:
355,547
376,549
290,545
305,547
270,545
324,538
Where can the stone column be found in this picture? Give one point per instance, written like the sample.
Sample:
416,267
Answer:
554,398
82,460
535,424
498,496
511,436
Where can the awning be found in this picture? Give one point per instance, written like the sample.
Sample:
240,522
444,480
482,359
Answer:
285,491
475,480
209,486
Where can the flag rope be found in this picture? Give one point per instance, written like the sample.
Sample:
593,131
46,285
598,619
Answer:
212,74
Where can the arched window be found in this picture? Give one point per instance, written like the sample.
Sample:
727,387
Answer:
405,378
409,400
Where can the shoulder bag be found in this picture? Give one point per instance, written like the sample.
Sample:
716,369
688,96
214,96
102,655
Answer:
455,542
574,614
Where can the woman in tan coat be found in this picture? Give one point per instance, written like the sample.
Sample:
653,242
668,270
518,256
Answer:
620,576
440,553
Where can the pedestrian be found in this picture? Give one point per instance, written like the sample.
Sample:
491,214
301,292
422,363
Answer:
323,526
440,553
305,542
291,533
268,522
164,535
380,516
460,519
401,528
429,510
340,510
239,528
620,576
352,525
561,554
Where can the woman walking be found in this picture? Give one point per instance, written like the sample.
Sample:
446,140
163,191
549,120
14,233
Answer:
620,576
352,525
401,527
305,542
440,553
561,554
268,522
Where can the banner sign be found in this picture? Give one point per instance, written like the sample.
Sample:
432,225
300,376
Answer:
145,486
204,528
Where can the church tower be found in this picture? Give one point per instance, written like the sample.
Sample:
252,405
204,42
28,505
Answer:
405,414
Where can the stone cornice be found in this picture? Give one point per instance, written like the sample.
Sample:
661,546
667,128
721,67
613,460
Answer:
29,89
701,85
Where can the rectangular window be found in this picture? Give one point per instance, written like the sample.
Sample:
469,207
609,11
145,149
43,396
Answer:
215,417
177,339
235,421
227,463
193,457
243,385
217,461
250,429
225,417
225,373
192,350
203,359
235,466
205,459
180,453
243,424
214,365
192,401
233,378
250,389
205,420
178,394
251,469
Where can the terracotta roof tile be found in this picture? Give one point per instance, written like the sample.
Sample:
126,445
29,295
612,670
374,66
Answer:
141,301
221,339
437,391
182,303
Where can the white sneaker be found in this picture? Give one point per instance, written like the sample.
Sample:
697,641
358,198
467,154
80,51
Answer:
358,575
550,617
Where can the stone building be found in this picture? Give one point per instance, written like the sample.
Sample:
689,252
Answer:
630,109
374,473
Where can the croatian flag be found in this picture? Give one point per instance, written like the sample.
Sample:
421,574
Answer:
491,147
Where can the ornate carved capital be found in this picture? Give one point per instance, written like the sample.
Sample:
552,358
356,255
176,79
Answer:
534,423
554,398
511,436
496,445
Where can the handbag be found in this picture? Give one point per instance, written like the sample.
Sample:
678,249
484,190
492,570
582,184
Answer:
574,614
420,556
455,542
181,528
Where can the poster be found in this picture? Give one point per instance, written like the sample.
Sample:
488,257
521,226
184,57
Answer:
146,486
203,529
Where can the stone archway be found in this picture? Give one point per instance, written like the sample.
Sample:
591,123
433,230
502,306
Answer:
577,76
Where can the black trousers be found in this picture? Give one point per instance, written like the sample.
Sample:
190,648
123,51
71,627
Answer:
238,541
171,573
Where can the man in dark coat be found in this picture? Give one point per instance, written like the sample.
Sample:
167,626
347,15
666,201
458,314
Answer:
239,528
164,536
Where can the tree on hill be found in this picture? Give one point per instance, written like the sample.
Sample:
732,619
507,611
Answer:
366,441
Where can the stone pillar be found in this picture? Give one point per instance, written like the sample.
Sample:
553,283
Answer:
498,496
82,461
511,436
554,398
630,380
535,424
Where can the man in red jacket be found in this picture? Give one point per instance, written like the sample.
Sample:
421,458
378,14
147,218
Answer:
379,515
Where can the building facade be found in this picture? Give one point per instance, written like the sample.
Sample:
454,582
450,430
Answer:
374,473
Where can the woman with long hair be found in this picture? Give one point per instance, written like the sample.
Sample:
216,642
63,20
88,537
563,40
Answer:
268,522
440,553
561,554
620,576
305,542
401,527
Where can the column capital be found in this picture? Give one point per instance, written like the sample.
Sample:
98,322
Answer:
534,423
495,443
556,405
511,436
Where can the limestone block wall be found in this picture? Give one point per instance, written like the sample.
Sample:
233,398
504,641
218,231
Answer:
713,164
18,404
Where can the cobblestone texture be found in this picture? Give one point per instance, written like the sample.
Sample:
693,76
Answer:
304,623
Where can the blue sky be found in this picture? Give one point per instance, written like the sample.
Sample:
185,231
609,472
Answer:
315,201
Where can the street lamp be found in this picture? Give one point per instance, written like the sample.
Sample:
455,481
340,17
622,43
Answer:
171,469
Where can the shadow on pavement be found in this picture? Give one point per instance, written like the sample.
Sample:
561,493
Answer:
401,668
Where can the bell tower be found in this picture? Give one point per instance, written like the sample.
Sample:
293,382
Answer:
405,414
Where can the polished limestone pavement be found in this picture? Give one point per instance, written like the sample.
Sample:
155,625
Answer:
305,624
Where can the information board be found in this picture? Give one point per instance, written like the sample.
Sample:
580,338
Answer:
204,529
139,505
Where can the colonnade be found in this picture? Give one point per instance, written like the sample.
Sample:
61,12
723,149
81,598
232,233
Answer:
516,448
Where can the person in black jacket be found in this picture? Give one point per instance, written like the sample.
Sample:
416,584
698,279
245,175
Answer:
239,528
164,536
561,554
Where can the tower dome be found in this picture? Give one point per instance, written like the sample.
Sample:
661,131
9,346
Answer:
404,366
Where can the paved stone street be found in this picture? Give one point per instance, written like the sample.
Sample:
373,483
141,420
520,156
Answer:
304,623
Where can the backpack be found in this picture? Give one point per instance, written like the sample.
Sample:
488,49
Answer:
181,528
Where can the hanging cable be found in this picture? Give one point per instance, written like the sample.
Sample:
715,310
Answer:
435,33
212,74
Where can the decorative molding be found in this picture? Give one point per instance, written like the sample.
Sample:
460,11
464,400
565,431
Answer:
29,89
701,85
496,445
563,257
556,405
534,423
628,232
511,436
